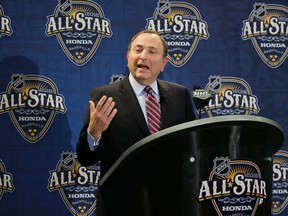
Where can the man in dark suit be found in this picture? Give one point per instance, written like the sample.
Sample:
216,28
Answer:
116,118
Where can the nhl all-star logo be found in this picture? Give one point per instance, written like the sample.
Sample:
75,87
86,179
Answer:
164,8
280,183
32,102
214,84
231,96
5,27
65,6
267,28
181,24
79,27
260,11
76,184
6,180
239,190
18,82
221,166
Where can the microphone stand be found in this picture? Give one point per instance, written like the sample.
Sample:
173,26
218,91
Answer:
199,110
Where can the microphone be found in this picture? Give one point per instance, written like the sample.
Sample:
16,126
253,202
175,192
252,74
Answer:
201,98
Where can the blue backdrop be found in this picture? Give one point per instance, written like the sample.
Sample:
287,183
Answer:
48,60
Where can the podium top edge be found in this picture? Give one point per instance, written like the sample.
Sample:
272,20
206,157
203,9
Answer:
229,119
206,122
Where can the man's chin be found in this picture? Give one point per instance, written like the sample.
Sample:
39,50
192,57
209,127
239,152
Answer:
142,70
142,78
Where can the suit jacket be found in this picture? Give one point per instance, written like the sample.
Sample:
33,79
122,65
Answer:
129,125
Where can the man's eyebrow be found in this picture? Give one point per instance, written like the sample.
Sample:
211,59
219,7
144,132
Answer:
153,48
137,46
150,47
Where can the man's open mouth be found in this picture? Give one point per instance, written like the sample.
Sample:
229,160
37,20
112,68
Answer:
143,66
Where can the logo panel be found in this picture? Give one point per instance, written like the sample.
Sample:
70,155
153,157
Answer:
267,29
6,180
181,24
280,182
79,27
76,184
235,187
32,102
5,27
231,96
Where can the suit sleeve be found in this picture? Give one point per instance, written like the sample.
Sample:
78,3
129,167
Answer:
85,156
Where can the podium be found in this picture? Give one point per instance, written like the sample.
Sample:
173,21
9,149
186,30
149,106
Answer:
213,166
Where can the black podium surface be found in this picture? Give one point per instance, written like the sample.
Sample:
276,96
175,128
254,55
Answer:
213,166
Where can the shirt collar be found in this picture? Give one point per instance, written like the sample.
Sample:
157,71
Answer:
138,88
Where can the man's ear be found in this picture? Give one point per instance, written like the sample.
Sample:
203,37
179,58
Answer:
165,61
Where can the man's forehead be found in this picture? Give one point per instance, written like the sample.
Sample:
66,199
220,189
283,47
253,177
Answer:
148,40
147,35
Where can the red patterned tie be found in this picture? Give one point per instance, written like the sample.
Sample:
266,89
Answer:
153,111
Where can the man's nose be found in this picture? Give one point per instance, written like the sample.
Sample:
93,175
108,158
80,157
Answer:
143,55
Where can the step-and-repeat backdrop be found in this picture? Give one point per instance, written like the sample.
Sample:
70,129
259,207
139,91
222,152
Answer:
52,53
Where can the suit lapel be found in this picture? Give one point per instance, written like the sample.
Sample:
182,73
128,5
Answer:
129,98
165,99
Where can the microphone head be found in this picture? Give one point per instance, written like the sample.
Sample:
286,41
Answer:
201,97
202,94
